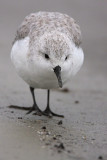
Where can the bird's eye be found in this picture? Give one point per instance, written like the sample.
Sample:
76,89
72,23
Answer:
66,58
46,56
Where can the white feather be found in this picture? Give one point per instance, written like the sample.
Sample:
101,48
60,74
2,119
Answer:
37,75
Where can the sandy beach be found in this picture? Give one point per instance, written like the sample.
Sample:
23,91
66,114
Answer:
82,134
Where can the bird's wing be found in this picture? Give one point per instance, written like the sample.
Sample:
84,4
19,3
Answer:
47,21
24,29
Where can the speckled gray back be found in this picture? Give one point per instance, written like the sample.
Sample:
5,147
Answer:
36,24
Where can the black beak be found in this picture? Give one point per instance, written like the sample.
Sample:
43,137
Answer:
57,71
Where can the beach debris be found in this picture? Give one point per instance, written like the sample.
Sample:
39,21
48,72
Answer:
54,137
76,102
100,157
84,137
66,90
44,127
60,122
60,147
43,133
19,117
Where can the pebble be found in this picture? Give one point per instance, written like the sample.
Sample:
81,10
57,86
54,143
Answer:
44,127
100,157
19,117
66,90
84,137
60,146
76,101
60,122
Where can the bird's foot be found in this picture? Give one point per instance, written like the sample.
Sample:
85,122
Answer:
46,112
19,107
49,113
37,111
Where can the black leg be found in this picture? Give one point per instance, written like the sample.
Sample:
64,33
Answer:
34,107
48,111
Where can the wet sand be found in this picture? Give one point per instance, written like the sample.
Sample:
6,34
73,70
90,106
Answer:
82,134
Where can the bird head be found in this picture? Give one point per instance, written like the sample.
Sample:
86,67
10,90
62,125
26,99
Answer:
54,52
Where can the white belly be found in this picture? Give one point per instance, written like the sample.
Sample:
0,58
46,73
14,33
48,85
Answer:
39,78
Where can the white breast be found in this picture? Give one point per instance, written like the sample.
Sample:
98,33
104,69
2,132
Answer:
19,54
41,77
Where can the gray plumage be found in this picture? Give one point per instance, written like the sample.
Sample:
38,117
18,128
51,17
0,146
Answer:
36,24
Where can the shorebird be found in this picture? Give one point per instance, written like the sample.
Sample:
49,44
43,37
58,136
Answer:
46,52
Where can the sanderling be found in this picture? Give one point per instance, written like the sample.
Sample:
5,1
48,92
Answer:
46,52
